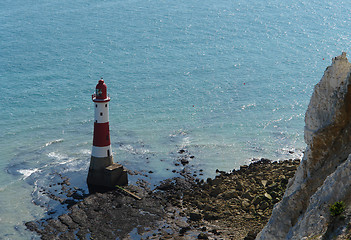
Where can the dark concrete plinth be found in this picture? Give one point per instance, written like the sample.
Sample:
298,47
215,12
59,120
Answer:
104,174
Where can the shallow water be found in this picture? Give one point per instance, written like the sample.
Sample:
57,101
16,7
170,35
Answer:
229,82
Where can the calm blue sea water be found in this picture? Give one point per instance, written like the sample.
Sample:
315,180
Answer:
228,81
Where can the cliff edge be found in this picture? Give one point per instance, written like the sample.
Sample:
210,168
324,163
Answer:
323,176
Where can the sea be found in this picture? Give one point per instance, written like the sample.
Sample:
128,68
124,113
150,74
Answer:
227,81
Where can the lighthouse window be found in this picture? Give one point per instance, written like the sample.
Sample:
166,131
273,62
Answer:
101,114
98,92
95,105
105,105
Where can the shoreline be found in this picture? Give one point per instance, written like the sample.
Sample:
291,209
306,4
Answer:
233,205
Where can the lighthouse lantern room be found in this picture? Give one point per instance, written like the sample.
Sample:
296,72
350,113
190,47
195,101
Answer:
103,173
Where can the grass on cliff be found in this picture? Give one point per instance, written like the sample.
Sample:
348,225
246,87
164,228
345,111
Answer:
337,208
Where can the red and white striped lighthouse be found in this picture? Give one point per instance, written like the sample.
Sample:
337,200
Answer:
102,171
101,141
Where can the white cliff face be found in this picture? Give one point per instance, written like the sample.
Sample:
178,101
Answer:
304,209
314,222
326,96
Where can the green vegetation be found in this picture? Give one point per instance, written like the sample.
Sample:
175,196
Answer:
337,208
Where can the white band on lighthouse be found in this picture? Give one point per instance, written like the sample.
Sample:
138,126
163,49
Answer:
101,152
101,112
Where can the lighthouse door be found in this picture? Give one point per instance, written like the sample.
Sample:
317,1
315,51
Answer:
108,153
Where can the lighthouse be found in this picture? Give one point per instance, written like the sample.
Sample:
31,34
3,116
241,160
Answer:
103,172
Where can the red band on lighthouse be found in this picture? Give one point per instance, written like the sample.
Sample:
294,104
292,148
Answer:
101,135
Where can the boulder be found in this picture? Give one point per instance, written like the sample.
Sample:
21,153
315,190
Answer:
202,236
195,216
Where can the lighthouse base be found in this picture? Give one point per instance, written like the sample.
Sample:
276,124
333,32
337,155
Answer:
104,174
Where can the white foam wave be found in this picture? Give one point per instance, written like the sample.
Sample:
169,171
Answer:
54,141
185,142
179,133
243,107
76,166
69,160
131,149
273,122
287,153
27,172
57,156
85,151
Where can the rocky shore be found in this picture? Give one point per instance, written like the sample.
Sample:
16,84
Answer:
233,205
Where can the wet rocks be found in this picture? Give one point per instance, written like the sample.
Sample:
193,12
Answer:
195,216
202,236
228,206
184,161
240,201
100,215
184,157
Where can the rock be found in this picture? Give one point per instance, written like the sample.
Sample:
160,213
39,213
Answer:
252,208
303,211
184,230
269,197
251,235
229,194
33,226
202,236
217,181
274,194
165,185
263,205
264,161
67,220
264,183
181,151
211,216
184,161
208,207
195,216
272,186
249,217
215,191
239,186
247,195
257,199
58,225
244,167
245,204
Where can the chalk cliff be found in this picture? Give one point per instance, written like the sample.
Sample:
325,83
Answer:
324,174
